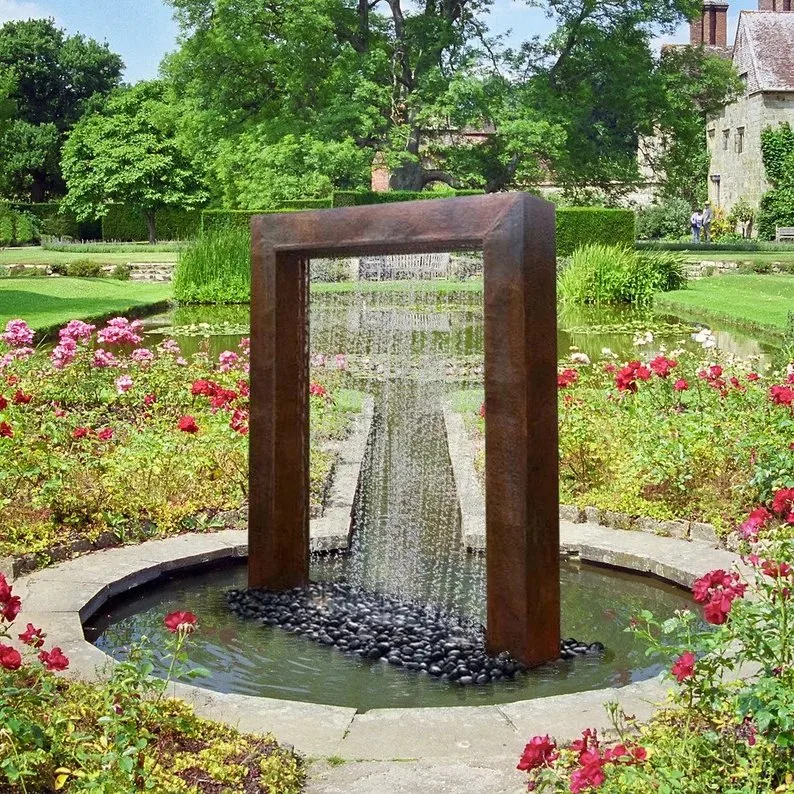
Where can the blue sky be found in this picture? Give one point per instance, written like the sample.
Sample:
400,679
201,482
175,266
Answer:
142,31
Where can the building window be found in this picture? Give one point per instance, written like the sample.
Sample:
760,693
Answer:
738,140
725,135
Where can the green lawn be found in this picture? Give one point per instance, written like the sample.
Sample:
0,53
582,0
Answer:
755,301
48,302
35,255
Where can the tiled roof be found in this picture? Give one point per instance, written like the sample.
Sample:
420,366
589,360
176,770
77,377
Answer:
770,36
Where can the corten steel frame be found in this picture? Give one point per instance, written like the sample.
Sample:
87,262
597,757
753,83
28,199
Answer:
516,234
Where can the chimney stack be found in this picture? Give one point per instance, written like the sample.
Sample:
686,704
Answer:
711,29
774,5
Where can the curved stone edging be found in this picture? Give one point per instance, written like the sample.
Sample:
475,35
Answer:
60,598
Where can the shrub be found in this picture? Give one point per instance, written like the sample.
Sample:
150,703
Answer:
666,221
578,226
717,734
328,270
776,209
84,268
122,272
617,274
125,223
215,268
17,227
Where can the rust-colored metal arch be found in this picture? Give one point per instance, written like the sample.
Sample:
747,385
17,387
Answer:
516,234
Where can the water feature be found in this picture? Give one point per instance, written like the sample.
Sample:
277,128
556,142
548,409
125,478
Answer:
409,349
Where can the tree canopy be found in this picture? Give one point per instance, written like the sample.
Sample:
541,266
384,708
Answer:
129,152
53,79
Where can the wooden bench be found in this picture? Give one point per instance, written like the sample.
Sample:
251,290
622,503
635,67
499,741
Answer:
784,233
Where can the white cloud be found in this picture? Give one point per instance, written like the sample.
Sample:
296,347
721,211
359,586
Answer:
22,9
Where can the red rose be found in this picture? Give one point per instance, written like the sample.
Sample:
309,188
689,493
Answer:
567,378
5,430
180,621
541,751
684,666
5,588
3,403
54,659
150,399
10,658
20,398
32,636
316,390
9,608
187,424
203,387
681,385
80,432
105,434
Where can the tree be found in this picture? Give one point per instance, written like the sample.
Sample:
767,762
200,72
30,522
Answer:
128,152
693,85
407,78
55,79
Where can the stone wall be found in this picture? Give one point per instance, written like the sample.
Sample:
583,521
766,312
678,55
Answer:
742,174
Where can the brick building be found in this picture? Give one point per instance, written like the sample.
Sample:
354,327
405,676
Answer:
763,54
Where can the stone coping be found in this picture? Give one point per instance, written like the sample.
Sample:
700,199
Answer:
60,598
332,531
471,500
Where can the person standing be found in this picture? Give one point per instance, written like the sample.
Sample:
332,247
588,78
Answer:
696,222
708,217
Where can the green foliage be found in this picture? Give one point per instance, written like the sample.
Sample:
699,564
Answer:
617,274
777,205
694,83
125,223
125,733
56,78
17,227
668,220
84,268
130,153
577,226
216,268
144,476
121,272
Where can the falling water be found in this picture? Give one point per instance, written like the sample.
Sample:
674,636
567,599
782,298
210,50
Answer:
403,347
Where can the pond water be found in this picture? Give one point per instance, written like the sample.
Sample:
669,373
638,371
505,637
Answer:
408,349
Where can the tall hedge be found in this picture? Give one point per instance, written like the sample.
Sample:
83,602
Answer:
577,226
17,227
357,198
127,224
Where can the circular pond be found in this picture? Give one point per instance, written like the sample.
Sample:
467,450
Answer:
247,658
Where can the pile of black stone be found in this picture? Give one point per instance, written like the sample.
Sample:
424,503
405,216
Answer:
380,627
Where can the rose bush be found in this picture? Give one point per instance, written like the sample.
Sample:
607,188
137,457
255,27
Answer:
102,434
690,434
729,726
122,735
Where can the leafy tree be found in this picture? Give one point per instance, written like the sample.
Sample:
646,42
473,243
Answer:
693,85
129,152
407,79
55,79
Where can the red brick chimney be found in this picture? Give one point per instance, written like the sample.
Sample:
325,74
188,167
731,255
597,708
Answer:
711,29
775,5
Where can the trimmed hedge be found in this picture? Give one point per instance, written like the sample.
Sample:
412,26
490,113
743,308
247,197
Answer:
54,223
17,227
577,226
122,223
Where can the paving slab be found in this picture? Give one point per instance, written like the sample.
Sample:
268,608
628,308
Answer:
493,776
456,732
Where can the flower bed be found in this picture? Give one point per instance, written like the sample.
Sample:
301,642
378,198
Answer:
104,441
720,732
692,435
125,734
